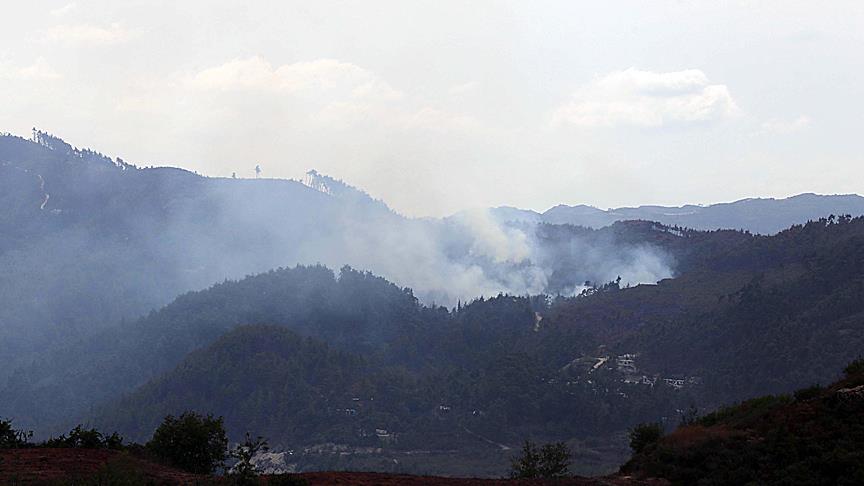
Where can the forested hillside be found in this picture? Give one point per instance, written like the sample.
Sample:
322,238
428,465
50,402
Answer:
509,367
87,241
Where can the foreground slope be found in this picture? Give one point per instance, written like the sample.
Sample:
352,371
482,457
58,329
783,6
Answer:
59,467
815,436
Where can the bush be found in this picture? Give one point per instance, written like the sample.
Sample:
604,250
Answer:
548,462
286,480
854,368
192,442
644,435
808,393
82,438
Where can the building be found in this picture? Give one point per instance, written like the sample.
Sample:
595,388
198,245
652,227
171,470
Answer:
626,363
676,383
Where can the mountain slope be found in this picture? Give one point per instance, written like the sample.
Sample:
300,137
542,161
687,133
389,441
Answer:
266,378
357,311
87,241
493,371
814,437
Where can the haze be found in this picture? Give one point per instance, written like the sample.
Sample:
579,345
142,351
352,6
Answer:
436,107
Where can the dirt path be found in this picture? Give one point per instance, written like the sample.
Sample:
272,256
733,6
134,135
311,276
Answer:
503,447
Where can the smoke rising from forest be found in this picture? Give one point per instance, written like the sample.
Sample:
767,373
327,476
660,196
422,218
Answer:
89,241
442,260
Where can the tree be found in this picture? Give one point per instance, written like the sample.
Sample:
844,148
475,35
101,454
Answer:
644,435
554,460
11,438
689,416
547,462
528,464
191,442
244,471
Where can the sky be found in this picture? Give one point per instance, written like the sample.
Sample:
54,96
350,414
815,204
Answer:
441,106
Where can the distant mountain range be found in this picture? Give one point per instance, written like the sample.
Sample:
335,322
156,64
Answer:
757,215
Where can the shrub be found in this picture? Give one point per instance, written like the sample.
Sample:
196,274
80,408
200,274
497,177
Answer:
82,438
547,462
808,393
854,368
191,442
644,435
286,480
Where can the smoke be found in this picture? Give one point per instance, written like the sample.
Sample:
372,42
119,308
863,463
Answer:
114,241
252,226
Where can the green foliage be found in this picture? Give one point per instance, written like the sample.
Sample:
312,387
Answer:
244,472
547,462
12,438
192,442
644,436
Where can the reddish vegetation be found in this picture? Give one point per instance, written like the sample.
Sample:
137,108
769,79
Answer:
691,435
35,466
379,479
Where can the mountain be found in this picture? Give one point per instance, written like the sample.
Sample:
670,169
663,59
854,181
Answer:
815,436
504,368
550,331
271,379
757,215
87,241
356,311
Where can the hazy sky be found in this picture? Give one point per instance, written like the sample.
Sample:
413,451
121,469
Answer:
438,106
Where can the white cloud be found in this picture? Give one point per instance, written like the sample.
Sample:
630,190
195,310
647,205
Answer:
86,34
319,94
40,70
646,98
65,9
324,76
783,126
464,88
